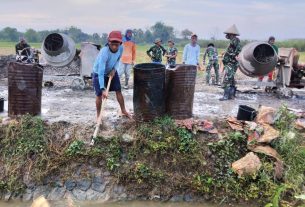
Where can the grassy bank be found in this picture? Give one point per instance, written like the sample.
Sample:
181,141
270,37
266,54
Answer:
159,157
7,48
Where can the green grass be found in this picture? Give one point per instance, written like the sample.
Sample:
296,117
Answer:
142,56
302,57
7,48
162,156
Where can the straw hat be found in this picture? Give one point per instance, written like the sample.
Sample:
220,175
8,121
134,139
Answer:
232,30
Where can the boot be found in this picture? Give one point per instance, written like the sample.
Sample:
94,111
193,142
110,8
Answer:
226,95
232,93
126,83
217,82
207,80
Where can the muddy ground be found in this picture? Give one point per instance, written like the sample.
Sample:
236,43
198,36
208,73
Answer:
62,103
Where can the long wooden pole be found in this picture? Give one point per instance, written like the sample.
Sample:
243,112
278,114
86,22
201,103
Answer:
99,120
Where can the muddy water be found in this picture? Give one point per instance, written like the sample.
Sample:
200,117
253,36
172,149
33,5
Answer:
116,204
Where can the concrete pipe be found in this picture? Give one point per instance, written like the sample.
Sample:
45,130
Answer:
58,49
257,59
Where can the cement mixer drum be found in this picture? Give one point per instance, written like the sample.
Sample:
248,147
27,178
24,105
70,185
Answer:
58,49
257,59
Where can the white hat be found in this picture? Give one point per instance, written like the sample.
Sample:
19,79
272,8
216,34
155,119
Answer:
232,30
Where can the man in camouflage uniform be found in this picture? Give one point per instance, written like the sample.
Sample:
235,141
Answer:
171,54
212,54
230,62
22,47
156,52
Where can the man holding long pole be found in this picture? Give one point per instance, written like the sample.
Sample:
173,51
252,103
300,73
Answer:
105,69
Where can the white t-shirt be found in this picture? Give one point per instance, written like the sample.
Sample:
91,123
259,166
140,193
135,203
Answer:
191,54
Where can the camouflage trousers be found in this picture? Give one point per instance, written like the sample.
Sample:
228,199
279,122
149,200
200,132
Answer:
215,65
230,70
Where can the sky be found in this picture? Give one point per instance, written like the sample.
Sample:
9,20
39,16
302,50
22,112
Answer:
255,19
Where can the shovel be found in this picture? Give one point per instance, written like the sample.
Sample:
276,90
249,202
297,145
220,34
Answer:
99,119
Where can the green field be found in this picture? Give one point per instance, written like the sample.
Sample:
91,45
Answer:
7,48
302,57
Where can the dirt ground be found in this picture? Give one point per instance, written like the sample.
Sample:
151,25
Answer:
62,103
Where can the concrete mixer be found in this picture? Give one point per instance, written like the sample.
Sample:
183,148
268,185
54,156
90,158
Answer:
59,50
259,58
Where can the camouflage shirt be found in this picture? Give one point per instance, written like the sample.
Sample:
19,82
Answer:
232,51
212,54
20,47
156,53
171,51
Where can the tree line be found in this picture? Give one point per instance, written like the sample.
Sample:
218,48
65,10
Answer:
141,36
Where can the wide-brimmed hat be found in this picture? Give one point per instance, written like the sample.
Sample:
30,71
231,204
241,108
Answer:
232,30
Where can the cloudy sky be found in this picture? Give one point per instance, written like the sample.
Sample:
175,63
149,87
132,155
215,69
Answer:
256,19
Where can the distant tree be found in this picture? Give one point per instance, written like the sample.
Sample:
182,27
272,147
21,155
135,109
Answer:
31,35
76,34
96,38
138,35
104,38
160,30
148,37
42,34
10,34
186,34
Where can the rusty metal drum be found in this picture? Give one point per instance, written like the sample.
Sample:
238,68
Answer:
180,89
24,89
149,91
